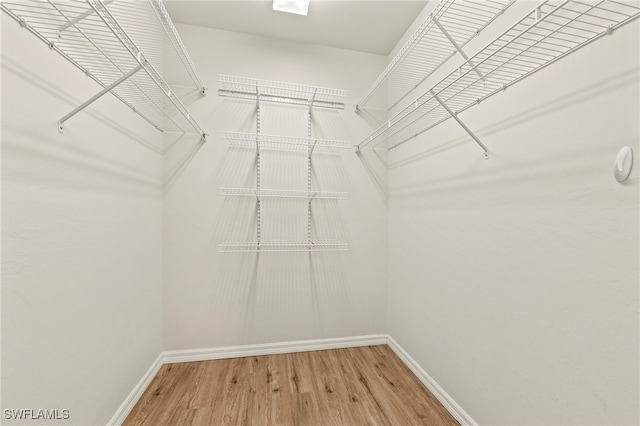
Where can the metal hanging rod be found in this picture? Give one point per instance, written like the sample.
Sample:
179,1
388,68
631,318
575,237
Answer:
548,33
106,43
451,25
283,193
283,143
282,92
282,246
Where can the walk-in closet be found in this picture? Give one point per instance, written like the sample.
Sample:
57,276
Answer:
320,212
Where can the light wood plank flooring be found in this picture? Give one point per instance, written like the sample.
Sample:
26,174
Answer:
355,386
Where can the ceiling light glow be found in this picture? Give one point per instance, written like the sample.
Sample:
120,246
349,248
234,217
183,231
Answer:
299,7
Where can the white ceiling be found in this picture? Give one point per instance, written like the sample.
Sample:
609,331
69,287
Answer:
373,26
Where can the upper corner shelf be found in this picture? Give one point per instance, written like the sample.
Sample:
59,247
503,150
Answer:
282,92
121,45
449,27
549,32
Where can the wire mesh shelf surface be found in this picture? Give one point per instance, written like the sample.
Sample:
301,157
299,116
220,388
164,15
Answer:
282,246
282,92
546,34
108,39
284,143
429,46
282,193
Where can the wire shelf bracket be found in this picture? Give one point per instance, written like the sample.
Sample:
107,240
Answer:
96,97
548,33
464,126
120,46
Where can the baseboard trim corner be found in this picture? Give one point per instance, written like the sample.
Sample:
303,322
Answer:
445,399
207,354
133,397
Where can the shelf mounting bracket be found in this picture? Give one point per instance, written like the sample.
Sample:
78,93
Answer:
464,126
313,98
457,47
98,95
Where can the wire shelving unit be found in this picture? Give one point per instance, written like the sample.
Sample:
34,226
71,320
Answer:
287,93
446,31
282,92
548,33
126,47
284,143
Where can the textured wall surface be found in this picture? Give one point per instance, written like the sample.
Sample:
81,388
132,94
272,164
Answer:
513,281
81,239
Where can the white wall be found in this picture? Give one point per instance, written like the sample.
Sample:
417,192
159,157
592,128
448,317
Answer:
81,239
216,299
513,281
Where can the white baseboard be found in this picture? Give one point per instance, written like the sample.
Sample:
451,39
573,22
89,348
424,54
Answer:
133,397
445,399
207,354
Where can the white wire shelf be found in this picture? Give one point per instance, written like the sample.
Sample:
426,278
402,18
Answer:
282,193
545,35
284,143
121,45
282,246
448,29
279,91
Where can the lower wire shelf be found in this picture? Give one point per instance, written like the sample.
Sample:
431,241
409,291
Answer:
282,246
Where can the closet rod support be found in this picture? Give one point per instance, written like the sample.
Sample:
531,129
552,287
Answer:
98,95
464,126
455,45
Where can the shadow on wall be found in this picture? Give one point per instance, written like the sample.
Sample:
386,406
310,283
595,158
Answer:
188,95
374,159
181,149
549,107
308,290
566,159
374,117
11,67
58,159
37,157
177,160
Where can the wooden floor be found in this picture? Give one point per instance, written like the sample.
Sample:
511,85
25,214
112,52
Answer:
354,386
